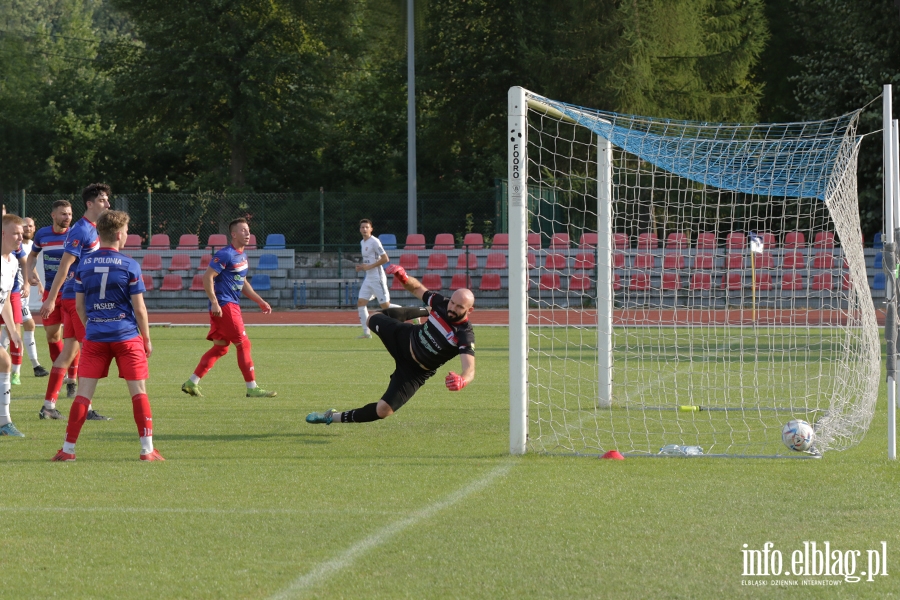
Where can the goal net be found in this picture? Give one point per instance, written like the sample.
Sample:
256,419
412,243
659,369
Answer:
682,287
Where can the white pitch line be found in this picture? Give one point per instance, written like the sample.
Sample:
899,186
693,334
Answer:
348,556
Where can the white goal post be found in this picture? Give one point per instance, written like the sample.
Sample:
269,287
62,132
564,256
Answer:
685,288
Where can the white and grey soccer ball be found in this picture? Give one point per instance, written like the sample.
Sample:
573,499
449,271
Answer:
798,435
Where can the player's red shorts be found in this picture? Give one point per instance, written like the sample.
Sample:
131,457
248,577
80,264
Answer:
228,327
129,354
15,302
56,317
72,325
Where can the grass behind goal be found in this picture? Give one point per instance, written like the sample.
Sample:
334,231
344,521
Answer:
254,503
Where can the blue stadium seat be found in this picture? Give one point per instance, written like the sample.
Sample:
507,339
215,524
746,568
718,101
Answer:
877,243
267,262
878,284
388,241
275,241
879,260
261,283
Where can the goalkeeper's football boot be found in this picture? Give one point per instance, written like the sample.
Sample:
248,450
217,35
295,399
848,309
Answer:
10,430
40,371
152,456
191,389
63,457
15,379
50,413
258,392
325,417
93,415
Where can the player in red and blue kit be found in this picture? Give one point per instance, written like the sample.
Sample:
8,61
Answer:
110,304
81,242
224,282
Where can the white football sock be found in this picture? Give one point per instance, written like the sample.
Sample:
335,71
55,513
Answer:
4,399
146,444
31,348
363,317
251,385
68,448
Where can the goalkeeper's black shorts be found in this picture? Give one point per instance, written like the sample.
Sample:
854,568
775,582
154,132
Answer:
408,375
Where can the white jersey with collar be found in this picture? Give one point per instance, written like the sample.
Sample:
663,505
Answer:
372,250
9,267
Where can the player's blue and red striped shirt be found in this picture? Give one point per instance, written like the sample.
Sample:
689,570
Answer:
108,279
231,267
81,241
52,244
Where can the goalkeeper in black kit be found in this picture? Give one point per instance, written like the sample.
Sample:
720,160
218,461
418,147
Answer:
418,350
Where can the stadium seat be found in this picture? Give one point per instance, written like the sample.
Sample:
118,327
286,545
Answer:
490,282
877,243
432,281
197,283
410,262
792,282
261,282
555,262
532,260
550,281
825,260
388,241
437,261
579,283
768,239
460,281
148,281
415,241
217,241
732,281
824,240
171,283
822,282
617,282
461,263
181,262
534,241
677,241
671,281
644,260
673,261
204,262
734,261
793,260
640,282
878,282
701,281
647,241
764,282
706,241
251,245
496,260
764,261
879,261
735,241
473,241
133,242
274,241
587,241
500,241
444,241
151,262
620,241
705,260
267,262
559,241
794,240
396,286
618,260
586,261
188,241
159,241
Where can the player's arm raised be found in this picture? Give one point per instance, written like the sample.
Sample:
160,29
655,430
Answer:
248,291
58,280
412,285
143,322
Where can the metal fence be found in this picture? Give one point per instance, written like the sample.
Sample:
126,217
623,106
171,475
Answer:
309,221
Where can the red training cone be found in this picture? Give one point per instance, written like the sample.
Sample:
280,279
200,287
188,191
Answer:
613,455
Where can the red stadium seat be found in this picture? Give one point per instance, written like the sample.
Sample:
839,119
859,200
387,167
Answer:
673,261
764,282
461,263
764,261
823,260
532,260
579,283
171,283
151,262
410,262
133,242
706,241
181,262
824,240
588,240
188,241
437,261
204,262
677,241
732,281
794,240
396,286
645,260
555,261
148,281
490,282
496,260
618,260
640,282
415,241
735,241
217,241
197,283
432,281
586,261
460,281
822,282
734,261
705,260
534,241
701,281
792,282
550,281
160,241
444,241
473,241
616,282
794,260
671,281
620,241
648,241
500,241
251,245
559,241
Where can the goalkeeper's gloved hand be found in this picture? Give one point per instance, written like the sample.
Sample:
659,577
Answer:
398,272
455,382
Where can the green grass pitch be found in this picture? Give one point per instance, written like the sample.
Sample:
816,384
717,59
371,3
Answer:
254,503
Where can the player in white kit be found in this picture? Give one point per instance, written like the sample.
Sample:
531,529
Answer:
11,239
375,284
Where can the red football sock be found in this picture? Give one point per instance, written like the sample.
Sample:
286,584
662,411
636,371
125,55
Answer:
56,349
143,417
73,368
245,359
209,359
16,353
54,383
77,415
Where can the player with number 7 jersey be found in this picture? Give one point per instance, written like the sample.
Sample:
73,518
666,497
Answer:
109,299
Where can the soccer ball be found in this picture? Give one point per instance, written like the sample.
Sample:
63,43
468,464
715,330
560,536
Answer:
798,435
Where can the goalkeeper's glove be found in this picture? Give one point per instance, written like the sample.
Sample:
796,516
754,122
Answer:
398,272
455,382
